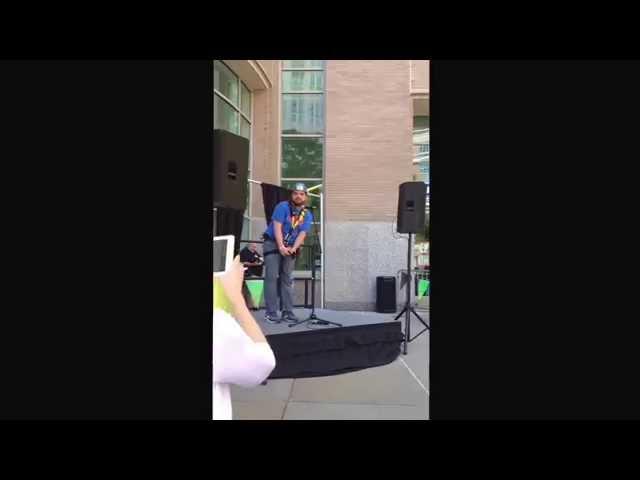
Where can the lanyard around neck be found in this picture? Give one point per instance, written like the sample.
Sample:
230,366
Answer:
297,219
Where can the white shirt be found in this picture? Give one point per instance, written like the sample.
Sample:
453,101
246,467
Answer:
237,359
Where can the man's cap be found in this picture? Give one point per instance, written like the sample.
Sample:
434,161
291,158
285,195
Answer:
300,187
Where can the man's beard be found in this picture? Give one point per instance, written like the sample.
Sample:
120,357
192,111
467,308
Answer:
298,203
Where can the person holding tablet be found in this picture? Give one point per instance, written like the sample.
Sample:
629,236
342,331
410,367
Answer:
241,354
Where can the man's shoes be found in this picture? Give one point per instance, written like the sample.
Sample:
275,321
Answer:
271,318
289,317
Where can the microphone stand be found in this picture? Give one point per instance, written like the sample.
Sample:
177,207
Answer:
313,318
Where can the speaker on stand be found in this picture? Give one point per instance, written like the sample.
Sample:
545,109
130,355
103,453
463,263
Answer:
411,219
230,188
230,170
412,203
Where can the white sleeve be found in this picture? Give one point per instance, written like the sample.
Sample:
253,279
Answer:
237,359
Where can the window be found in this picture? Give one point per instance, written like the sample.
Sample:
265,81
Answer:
245,103
303,126
302,113
302,157
232,104
421,122
304,259
245,128
224,116
421,146
302,81
304,64
246,229
225,82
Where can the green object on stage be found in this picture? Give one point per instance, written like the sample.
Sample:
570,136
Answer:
256,289
423,288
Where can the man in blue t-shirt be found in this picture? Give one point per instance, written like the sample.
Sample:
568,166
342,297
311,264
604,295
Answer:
290,222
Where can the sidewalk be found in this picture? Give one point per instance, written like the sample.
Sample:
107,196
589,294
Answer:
398,391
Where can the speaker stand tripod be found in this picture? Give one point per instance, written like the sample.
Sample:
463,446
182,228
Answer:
313,318
408,308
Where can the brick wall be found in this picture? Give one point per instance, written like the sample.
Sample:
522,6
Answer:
266,135
369,153
420,75
369,125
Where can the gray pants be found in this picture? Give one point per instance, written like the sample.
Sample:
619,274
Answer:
277,268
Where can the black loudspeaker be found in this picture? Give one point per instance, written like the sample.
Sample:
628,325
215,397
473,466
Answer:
386,295
411,207
230,169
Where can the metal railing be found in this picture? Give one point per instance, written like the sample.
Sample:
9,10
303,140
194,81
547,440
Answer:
416,275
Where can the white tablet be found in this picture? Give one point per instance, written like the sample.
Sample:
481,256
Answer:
223,248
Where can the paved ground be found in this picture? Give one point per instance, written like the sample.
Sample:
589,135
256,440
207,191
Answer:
398,391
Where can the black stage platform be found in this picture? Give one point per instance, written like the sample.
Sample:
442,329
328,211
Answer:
366,339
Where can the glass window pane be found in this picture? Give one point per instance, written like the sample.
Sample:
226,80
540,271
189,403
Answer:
225,81
302,157
302,113
421,135
421,151
421,145
247,205
303,64
420,122
424,170
224,116
245,128
302,81
245,100
303,260
246,229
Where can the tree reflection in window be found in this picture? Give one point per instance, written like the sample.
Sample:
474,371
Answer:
302,157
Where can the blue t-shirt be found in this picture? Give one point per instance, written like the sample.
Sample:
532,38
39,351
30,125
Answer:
283,214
